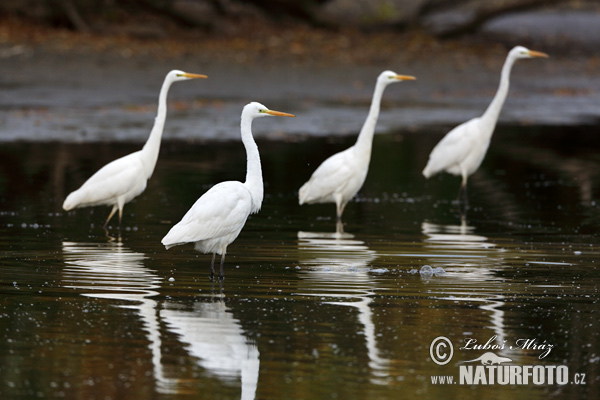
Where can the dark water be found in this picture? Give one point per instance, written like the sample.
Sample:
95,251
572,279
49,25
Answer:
303,313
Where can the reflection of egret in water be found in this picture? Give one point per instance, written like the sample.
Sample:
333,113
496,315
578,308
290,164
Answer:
216,338
113,271
338,268
109,270
473,254
497,316
454,236
458,247
334,251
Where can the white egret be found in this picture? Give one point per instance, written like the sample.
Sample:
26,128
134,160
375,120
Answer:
125,178
342,175
462,150
218,216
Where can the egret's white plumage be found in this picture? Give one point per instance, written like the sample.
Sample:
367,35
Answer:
342,175
123,179
217,218
463,149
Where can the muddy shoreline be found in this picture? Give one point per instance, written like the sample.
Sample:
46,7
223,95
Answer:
85,88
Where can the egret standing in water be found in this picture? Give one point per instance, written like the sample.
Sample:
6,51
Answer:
342,175
125,178
462,150
217,218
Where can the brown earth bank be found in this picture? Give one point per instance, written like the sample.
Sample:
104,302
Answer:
63,85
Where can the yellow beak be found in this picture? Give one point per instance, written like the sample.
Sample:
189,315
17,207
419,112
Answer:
194,76
533,53
279,113
405,78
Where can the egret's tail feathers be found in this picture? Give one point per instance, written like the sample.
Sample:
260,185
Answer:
168,244
172,240
72,201
302,194
427,172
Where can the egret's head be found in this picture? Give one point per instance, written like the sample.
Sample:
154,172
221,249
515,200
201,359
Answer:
391,77
523,52
258,110
177,75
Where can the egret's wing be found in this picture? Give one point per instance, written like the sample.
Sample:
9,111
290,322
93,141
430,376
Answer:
220,211
113,180
454,147
329,177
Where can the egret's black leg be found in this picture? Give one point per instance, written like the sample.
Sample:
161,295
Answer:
212,267
112,238
339,226
463,218
222,270
120,218
112,212
339,208
463,198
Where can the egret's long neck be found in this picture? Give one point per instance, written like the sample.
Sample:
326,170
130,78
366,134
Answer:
152,146
493,111
254,179
365,137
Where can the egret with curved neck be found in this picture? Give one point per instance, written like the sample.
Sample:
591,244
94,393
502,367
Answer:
218,216
463,149
125,178
342,175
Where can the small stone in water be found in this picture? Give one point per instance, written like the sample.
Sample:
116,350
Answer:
426,270
171,279
380,270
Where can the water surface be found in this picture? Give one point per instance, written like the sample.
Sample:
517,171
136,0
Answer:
304,312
